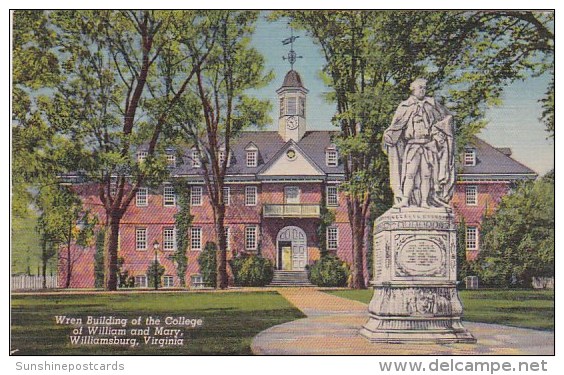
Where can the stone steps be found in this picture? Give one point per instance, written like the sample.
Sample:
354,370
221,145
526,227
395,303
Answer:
290,278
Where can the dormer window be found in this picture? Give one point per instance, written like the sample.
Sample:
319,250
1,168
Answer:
221,155
171,160
196,162
141,156
331,157
470,157
252,158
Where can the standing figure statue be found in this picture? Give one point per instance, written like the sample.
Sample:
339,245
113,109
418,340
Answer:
420,148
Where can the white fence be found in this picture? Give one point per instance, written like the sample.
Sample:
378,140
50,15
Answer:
543,282
25,282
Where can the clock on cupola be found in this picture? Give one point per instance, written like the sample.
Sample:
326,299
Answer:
292,98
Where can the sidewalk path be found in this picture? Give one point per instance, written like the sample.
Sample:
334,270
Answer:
332,324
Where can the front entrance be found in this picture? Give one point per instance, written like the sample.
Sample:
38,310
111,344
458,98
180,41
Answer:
291,243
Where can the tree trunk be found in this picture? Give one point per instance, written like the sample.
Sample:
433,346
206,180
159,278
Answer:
111,253
222,279
69,263
357,228
44,271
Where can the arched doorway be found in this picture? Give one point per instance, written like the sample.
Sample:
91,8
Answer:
291,244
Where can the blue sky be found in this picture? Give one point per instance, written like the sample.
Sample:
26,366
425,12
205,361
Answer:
514,124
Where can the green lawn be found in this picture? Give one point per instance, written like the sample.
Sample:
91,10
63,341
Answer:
514,307
230,320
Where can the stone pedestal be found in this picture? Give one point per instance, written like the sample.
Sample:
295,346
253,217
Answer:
415,296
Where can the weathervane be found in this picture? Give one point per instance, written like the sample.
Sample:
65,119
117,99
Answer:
291,56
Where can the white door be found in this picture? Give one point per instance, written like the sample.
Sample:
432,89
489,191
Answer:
298,238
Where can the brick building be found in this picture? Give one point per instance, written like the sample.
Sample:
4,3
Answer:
488,173
276,184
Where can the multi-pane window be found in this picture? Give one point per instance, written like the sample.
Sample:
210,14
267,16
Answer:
222,155
196,195
252,159
141,156
332,238
169,197
168,281
470,158
141,281
250,196
113,186
292,106
226,195
171,160
197,281
292,194
251,238
196,238
471,195
196,162
332,158
332,196
141,238
169,238
141,199
471,238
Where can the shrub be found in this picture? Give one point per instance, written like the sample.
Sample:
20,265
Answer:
252,270
155,272
329,271
208,264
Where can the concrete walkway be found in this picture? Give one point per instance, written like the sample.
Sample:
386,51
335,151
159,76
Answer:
332,324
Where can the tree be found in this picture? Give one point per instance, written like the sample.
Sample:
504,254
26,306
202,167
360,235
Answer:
517,241
63,223
224,110
371,58
123,74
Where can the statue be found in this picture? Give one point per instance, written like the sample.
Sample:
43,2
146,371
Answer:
420,148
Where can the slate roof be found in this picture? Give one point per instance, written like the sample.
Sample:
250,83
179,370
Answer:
494,161
292,79
269,143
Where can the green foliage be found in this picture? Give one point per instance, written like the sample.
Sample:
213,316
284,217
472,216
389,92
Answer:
208,264
463,266
518,239
124,280
329,271
252,270
99,260
155,271
327,217
183,221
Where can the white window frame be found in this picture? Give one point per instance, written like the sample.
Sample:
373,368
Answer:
332,196
471,195
196,235
196,160
470,158
472,237
142,197
196,281
171,160
113,186
141,156
198,196
332,238
291,100
169,197
251,238
252,158
226,195
141,239
332,158
251,195
168,281
298,199
140,281
169,238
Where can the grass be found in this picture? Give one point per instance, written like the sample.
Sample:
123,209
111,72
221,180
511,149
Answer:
512,307
230,320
